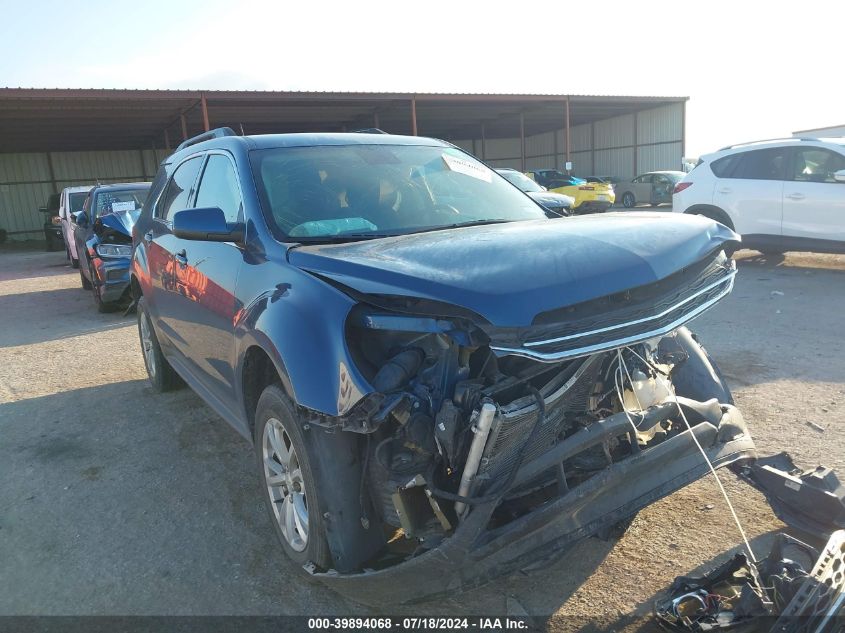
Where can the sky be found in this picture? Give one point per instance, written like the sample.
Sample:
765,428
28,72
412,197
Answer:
751,70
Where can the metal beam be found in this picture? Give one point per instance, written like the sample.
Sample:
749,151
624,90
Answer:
568,144
483,142
636,146
413,116
204,106
522,139
184,127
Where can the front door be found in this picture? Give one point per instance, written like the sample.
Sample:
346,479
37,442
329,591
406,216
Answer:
207,273
162,249
813,201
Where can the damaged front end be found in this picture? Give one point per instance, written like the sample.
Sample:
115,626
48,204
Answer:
491,449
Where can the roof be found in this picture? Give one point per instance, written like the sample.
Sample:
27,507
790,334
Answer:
121,186
42,119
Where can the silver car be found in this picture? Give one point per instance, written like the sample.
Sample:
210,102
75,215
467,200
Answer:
654,188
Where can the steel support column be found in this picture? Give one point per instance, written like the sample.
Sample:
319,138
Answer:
483,142
636,146
593,148
568,144
166,139
184,126
414,116
522,139
204,106
375,120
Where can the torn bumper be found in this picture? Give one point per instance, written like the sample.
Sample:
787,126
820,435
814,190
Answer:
476,554
112,278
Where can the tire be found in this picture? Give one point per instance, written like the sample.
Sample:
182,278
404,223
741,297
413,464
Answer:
74,263
67,252
86,285
293,496
103,307
162,376
628,200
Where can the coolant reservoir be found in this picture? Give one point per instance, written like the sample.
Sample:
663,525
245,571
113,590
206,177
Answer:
646,391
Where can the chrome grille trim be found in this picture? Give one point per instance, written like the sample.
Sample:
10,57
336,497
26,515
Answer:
727,281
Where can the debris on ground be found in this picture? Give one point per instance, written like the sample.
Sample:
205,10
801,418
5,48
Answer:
809,500
776,594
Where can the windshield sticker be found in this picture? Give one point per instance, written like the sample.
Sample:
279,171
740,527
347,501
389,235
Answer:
122,206
468,168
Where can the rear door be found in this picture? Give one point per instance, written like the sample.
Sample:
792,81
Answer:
162,248
813,202
642,188
751,191
204,303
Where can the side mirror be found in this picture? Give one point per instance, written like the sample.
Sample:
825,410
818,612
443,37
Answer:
206,224
80,218
839,176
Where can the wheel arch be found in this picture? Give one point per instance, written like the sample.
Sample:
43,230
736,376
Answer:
714,213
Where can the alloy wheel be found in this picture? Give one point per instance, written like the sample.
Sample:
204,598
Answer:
285,484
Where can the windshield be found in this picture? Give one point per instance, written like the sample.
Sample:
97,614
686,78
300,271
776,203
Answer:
113,201
77,200
361,190
521,180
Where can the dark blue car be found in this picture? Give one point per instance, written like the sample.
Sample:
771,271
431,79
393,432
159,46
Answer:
103,234
442,384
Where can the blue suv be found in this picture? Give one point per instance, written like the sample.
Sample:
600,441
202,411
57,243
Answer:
442,382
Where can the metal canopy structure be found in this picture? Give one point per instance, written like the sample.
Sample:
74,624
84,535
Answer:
56,120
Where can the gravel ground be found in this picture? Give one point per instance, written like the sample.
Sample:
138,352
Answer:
118,501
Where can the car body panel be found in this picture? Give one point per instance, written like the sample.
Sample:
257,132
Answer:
509,273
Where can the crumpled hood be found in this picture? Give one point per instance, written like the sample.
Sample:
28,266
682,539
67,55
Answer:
120,221
508,273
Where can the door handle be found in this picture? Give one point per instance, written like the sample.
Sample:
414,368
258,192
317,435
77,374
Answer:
795,196
148,236
724,190
181,258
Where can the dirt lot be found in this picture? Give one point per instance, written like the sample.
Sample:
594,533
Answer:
114,500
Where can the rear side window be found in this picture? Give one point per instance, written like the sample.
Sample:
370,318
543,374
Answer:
219,188
761,164
723,167
816,164
179,189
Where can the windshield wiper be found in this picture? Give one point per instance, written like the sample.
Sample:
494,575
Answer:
457,225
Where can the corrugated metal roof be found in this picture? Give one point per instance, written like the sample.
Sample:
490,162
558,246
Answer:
59,119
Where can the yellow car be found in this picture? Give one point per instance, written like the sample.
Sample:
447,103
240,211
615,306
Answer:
590,197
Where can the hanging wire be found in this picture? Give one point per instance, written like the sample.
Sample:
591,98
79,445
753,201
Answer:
706,458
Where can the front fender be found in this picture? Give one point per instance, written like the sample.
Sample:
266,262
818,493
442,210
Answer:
140,268
300,325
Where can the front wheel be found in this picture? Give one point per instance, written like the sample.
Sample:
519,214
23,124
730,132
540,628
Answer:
628,200
291,488
162,376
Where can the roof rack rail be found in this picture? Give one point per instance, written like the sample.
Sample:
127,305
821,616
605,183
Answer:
219,132
369,130
771,140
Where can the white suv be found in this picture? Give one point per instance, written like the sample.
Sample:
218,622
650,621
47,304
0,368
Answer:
781,195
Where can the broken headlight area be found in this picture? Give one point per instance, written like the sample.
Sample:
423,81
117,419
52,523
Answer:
465,448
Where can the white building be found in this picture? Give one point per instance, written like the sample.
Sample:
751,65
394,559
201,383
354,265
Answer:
822,132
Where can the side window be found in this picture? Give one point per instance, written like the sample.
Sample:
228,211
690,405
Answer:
762,164
219,188
724,167
178,191
643,180
815,164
